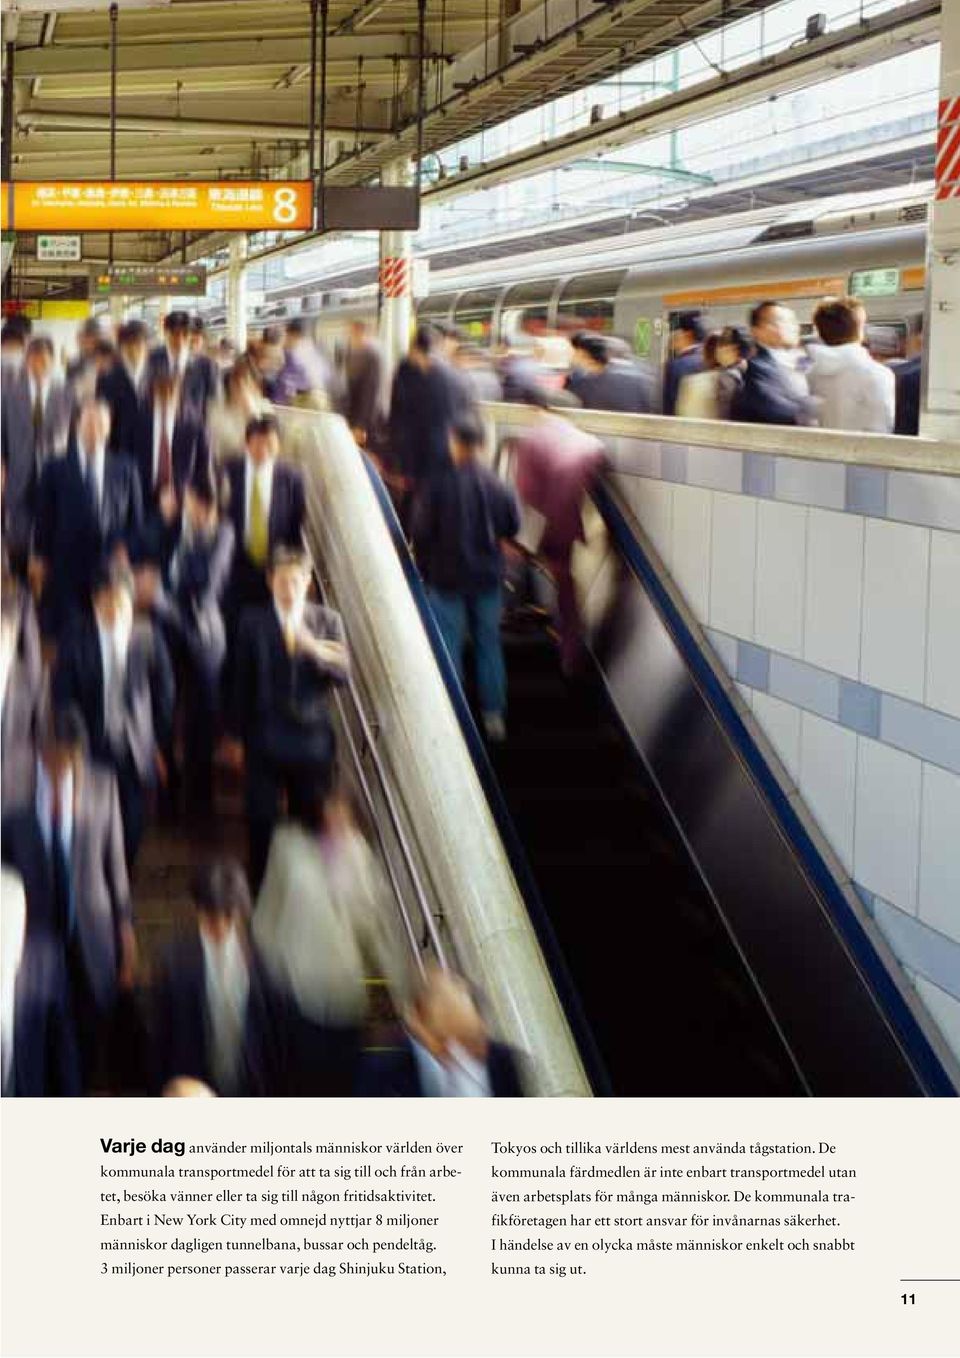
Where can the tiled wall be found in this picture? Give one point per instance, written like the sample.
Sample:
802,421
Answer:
831,594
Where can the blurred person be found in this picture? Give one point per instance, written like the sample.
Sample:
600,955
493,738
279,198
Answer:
123,385
184,592
851,390
22,685
602,384
557,464
215,1026
447,1050
199,381
460,519
908,376
697,395
324,922
686,344
289,654
265,500
65,841
170,446
241,402
519,370
734,348
40,1058
364,376
306,379
116,672
478,372
426,398
82,370
89,508
266,355
773,391
226,355
13,346
185,1088
36,409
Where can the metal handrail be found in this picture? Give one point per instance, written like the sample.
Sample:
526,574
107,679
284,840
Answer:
431,933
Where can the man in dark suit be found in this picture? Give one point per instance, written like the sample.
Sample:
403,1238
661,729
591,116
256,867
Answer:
266,503
216,1018
197,374
37,409
426,398
169,446
65,841
117,673
123,386
908,376
40,1057
22,684
602,383
88,508
446,1052
289,654
773,390
184,591
686,343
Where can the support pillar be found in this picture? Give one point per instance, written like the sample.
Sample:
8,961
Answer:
396,276
940,409
118,306
237,291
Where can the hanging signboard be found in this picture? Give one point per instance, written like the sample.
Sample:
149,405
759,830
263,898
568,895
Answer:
190,205
151,280
370,209
66,248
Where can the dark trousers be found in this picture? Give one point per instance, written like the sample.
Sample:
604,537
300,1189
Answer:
322,1060
133,806
268,783
90,1023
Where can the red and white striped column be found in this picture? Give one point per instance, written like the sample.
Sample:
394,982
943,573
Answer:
940,412
396,278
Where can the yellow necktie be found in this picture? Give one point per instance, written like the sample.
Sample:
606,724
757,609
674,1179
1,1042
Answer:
258,534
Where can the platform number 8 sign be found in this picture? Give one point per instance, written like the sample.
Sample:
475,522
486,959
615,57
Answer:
284,206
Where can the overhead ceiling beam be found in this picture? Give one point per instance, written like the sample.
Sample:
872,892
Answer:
222,54
340,118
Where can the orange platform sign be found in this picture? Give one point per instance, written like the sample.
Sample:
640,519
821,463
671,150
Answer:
130,205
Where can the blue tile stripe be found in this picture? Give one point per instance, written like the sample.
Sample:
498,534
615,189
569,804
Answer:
923,498
918,947
921,731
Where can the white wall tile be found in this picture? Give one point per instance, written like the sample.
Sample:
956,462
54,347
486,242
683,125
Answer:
651,502
747,694
805,482
943,641
945,1011
781,573
828,778
690,553
940,851
832,606
733,560
780,723
896,568
887,843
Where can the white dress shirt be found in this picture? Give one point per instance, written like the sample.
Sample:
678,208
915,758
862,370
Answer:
44,808
293,620
462,1077
44,390
13,924
178,362
264,477
113,653
99,459
162,416
228,992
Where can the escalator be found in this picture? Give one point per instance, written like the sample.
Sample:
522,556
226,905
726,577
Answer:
696,938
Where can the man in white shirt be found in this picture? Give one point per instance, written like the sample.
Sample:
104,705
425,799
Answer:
851,389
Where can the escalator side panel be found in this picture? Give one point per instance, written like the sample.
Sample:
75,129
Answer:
841,1014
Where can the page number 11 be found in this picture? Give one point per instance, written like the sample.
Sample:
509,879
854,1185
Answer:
908,1298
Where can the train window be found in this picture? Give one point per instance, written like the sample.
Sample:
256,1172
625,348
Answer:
526,309
436,308
587,302
473,313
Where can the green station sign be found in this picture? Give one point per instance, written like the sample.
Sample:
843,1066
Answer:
149,280
875,283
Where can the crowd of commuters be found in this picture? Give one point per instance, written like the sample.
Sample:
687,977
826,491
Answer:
158,626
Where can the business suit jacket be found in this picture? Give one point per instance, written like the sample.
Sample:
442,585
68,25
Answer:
189,452
195,578
285,523
767,395
24,456
423,406
125,400
679,367
396,1074
46,1060
280,702
21,700
201,378
78,681
179,1023
908,377
73,536
98,875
